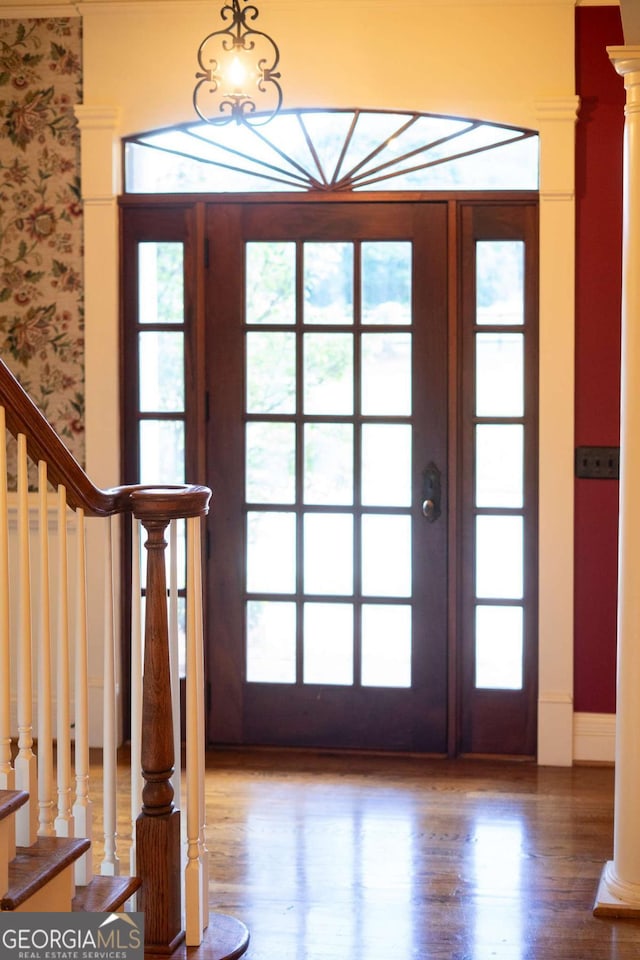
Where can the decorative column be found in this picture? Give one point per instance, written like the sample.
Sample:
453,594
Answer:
556,122
100,164
619,890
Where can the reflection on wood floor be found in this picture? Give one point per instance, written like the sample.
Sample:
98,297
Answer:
342,857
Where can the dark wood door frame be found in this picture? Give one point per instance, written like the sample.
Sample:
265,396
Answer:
185,218
497,721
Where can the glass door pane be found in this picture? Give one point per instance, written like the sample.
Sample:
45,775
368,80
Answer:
324,408
161,359
499,537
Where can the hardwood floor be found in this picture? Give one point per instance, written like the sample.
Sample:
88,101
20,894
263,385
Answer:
341,857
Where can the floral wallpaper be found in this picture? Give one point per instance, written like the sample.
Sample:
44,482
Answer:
41,294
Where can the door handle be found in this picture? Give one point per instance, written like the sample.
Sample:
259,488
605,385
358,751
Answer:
428,510
431,493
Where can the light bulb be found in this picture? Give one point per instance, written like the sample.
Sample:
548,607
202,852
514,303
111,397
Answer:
237,74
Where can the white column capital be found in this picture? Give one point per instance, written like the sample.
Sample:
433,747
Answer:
99,153
556,121
97,117
559,108
626,60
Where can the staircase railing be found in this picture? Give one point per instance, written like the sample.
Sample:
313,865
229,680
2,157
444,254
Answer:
45,599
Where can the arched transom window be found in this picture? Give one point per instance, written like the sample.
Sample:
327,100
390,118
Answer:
334,151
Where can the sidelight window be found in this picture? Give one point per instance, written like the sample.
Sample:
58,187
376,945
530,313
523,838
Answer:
499,463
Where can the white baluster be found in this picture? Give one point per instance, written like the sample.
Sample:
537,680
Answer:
64,818
195,902
136,688
7,778
110,865
44,681
174,667
200,688
174,664
82,807
25,764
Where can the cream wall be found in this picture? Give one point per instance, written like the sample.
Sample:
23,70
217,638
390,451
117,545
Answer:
510,61
413,54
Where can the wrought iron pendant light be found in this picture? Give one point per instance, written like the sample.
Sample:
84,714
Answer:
238,68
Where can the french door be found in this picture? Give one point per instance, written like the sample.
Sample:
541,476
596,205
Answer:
356,381
327,354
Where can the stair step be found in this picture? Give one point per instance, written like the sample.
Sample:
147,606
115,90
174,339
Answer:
105,894
10,801
35,866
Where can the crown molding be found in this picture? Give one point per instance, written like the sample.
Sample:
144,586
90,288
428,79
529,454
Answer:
47,8
38,10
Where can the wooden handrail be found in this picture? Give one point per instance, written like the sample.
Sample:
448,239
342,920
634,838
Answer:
43,443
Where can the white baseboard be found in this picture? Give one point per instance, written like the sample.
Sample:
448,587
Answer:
594,737
555,728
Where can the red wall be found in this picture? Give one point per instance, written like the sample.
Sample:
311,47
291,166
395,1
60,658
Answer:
598,270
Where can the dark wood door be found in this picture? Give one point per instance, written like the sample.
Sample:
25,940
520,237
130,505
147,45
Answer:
326,358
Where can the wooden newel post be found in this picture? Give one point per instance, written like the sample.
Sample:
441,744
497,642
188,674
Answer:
158,825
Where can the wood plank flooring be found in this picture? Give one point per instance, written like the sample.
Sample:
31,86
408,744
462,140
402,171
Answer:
342,857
